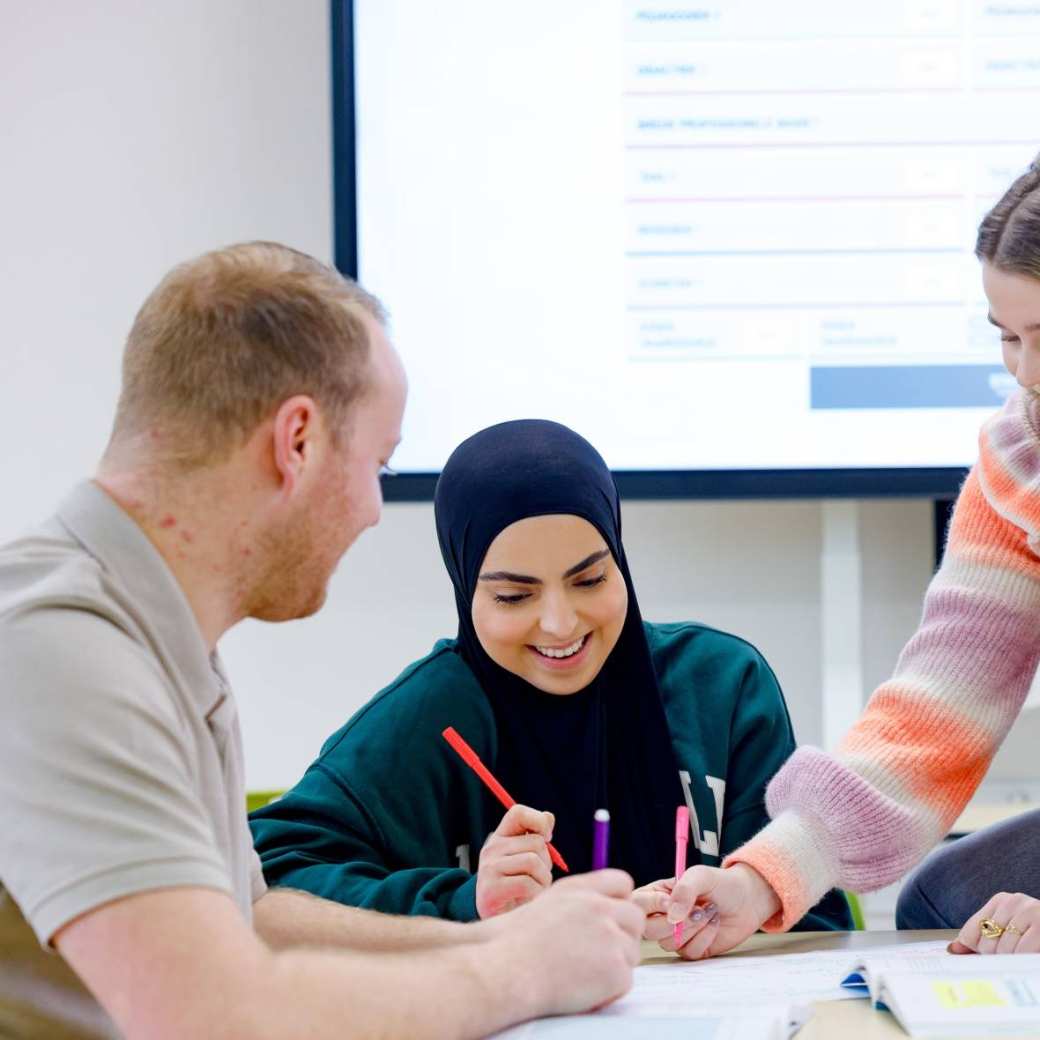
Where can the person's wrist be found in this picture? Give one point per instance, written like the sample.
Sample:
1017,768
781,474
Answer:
508,979
764,900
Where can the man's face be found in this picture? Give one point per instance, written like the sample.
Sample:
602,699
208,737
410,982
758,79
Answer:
341,496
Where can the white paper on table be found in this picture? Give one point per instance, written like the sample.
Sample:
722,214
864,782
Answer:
762,1023
686,987
726,998
749,997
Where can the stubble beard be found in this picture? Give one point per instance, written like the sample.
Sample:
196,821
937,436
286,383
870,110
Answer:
293,581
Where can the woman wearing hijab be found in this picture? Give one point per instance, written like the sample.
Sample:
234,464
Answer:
571,700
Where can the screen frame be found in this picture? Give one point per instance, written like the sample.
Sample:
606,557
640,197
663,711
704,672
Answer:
941,482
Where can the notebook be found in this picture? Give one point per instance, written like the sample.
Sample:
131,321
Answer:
939,994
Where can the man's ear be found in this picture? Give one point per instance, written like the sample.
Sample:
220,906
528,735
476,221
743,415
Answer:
295,433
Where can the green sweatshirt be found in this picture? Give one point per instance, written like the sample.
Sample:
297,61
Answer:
389,818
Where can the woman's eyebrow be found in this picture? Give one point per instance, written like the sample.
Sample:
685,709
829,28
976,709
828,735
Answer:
587,562
527,579
1032,327
519,579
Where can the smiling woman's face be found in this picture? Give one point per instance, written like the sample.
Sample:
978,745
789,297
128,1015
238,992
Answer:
550,602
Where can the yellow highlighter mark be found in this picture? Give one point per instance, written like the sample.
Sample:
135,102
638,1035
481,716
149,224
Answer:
968,993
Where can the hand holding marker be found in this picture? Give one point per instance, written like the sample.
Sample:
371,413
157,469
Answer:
600,839
470,757
682,836
601,821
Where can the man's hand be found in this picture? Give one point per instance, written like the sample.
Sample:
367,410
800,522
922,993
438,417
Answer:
514,863
742,899
574,948
1017,914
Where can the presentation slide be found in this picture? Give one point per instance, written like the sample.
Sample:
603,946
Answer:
730,235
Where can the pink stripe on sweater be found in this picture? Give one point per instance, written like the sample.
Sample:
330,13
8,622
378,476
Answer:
879,838
1000,654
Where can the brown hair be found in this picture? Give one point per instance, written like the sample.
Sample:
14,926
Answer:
225,338
1009,235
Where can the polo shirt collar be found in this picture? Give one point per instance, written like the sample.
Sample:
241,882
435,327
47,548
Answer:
115,540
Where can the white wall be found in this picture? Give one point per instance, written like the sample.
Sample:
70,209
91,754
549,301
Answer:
135,135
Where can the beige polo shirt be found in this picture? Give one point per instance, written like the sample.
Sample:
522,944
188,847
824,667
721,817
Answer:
120,751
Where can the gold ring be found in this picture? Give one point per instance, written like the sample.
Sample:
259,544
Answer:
1011,929
992,930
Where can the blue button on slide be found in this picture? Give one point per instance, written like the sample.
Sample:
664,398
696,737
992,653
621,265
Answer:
909,386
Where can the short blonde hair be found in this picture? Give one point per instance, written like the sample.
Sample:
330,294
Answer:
225,338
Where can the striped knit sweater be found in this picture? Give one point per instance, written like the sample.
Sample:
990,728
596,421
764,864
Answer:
861,818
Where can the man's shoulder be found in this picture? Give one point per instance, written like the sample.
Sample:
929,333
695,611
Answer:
49,568
64,629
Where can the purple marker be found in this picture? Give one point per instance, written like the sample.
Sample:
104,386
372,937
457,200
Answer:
600,838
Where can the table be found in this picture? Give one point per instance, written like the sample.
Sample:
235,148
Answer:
836,1019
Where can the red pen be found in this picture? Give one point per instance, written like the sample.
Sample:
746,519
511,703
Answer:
470,757
682,836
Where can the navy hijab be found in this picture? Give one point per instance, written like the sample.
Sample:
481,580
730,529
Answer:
608,745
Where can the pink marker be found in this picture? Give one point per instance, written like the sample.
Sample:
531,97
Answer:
682,836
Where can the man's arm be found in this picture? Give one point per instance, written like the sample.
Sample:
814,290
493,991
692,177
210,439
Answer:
182,962
285,919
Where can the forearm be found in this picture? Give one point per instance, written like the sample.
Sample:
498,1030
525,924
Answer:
285,919
463,992
862,818
182,961
929,734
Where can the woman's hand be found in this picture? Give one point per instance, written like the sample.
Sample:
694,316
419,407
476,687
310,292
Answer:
742,901
1019,917
514,862
654,900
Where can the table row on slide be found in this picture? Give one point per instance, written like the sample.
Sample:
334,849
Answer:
822,19
850,66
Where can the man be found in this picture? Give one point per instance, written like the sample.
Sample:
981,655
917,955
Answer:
260,399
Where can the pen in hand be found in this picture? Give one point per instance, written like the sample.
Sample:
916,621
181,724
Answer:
600,839
472,759
682,836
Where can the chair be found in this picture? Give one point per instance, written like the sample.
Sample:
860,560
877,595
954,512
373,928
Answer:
856,909
258,799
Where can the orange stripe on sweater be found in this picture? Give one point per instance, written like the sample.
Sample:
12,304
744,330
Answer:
783,877
980,535
1005,490
939,757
